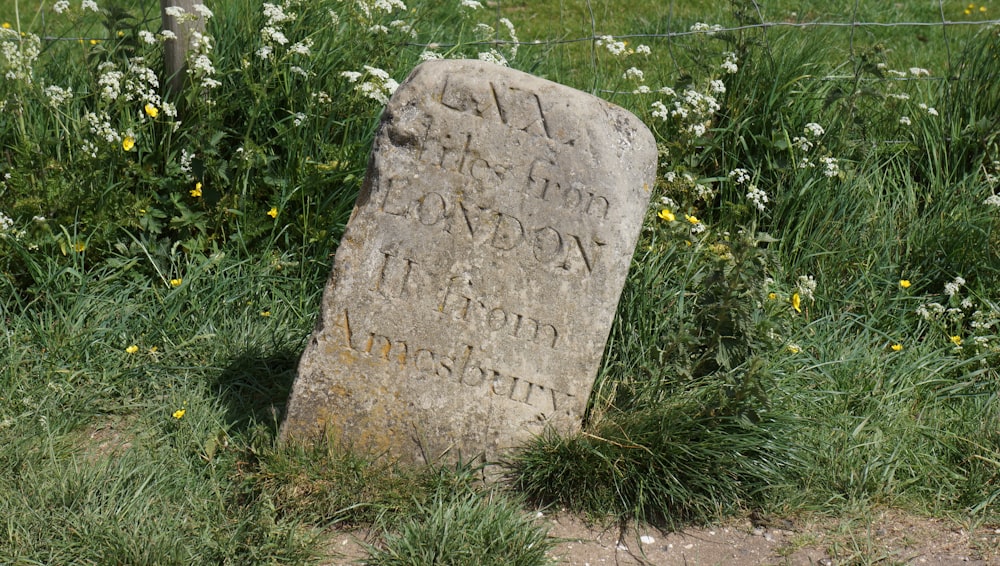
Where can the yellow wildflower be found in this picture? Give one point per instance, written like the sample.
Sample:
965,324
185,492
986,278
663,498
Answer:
982,9
904,283
196,191
896,347
128,143
793,348
956,340
797,302
6,25
273,213
968,12
176,282
772,296
179,414
132,349
79,247
265,314
151,110
153,350
691,219
666,215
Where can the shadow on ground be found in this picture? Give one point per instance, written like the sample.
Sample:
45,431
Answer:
254,388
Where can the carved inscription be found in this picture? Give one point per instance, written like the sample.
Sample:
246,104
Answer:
458,366
400,277
494,228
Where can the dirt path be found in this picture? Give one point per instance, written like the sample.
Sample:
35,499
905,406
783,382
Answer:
887,538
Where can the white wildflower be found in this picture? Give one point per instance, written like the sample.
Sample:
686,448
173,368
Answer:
729,62
814,129
58,95
299,119
302,48
757,197
60,6
951,288
641,89
830,166
660,110
993,200
803,144
717,87
203,11
493,56
147,37
167,34
918,72
271,34
614,47
905,120
174,11
739,176
90,5
700,27
276,14
806,286
633,74
430,56
471,4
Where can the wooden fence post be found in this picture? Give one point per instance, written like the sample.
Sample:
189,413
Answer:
175,50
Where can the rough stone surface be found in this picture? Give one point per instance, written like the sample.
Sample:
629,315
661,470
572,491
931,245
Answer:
474,288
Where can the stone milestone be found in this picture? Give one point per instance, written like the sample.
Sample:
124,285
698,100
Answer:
475,285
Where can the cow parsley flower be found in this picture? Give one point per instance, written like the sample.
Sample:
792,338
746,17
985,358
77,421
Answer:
729,63
614,47
757,197
633,74
952,288
830,166
814,129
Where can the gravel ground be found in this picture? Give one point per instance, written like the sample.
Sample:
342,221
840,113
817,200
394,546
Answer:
886,537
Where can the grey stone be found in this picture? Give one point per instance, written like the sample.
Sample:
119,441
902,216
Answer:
475,285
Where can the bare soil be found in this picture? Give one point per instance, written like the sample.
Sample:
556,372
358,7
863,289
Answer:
886,537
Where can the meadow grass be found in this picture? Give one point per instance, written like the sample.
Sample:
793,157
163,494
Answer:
832,348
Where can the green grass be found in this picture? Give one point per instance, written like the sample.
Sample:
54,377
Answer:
128,299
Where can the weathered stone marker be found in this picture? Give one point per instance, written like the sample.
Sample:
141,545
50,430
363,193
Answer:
474,288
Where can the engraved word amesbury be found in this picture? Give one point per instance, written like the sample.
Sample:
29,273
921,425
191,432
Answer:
475,285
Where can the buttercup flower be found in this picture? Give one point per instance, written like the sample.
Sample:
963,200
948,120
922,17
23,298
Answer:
179,414
176,282
132,349
797,302
956,340
151,110
772,296
896,347
665,214
128,143
265,314
691,219
904,283
273,213
196,191
793,348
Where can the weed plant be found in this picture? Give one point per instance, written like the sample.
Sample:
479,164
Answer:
810,321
